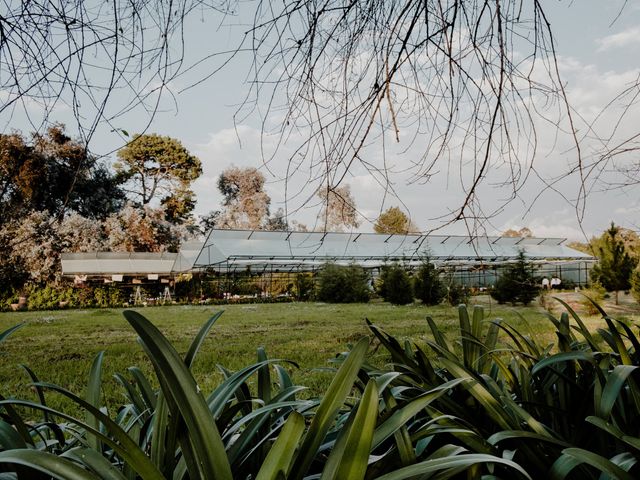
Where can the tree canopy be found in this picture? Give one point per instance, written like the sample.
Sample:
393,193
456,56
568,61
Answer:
56,174
339,210
156,168
394,220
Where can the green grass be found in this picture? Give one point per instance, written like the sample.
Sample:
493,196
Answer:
60,345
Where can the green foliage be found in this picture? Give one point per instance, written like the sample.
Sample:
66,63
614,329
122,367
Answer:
343,284
615,265
456,293
517,283
428,286
156,167
493,404
394,221
395,285
304,286
635,284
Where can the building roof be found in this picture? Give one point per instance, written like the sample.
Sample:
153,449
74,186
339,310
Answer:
235,250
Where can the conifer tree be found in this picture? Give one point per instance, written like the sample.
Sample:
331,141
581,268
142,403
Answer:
615,265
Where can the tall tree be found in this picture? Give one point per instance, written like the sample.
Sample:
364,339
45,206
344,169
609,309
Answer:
156,168
614,267
246,204
339,210
394,220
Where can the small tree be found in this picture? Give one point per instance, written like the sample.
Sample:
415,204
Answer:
517,283
427,284
395,285
394,220
614,267
340,284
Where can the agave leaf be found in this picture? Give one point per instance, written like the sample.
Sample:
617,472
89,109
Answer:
334,398
258,419
620,347
132,394
401,435
597,461
582,327
401,416
5,334
480,393
614,431
95,462
182,388
46,463
350,455
264,377
199,338
438,337
9,437
563,357
456,462
524,434
17,421
121,443
92,396
39,390
278,462
146,390
615,381
219,398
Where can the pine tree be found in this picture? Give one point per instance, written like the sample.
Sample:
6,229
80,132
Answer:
517,283
615,265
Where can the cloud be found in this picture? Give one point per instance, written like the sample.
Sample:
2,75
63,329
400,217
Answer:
625,38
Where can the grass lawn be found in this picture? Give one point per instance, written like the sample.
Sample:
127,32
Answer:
60,345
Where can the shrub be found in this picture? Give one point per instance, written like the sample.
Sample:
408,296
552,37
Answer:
427,284
456,293
343,284
595,293
395,285
635,284
304,286
109,297
517,283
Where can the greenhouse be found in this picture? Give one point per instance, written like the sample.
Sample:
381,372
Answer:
474,261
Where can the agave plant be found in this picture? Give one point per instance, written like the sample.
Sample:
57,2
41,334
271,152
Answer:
362,426
568,412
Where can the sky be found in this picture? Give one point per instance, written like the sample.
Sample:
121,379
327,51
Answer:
597,51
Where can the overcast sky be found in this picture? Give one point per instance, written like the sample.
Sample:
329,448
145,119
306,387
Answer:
598,55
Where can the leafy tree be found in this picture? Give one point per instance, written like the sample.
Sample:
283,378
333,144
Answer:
614,267
339,210
428,286
394,220
246,204
146,229
277,222
517,283
155,168
395,285
53,173
343,284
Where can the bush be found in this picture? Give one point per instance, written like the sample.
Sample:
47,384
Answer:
456,293
595,292
395,285
340,284
635,284
427,284
517,283
304,286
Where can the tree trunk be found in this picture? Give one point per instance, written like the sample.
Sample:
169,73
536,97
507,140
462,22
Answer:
616,297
